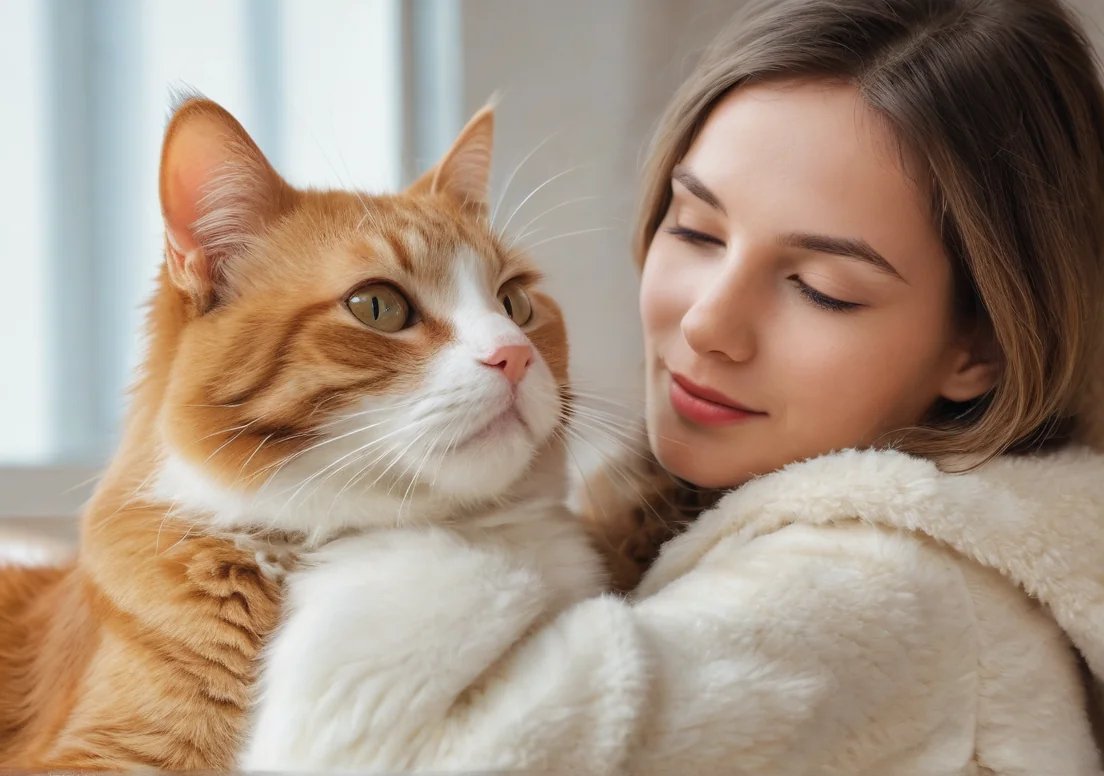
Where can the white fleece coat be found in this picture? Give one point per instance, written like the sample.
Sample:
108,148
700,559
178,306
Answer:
860,613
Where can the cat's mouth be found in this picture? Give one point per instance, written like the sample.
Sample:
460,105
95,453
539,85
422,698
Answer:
506,421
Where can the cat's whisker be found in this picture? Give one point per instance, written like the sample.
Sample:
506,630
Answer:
241,471
130,504
383,474
612,416
522,236
367,447
390,451
324,442
606,433
222,431
214,406
627,403
630,446
422,463
409,465
561,433
632,433
532,193
523,232
231,440
348,184
170,514
515,171
636,421
345,418
448,448
187,533
624,439
127,504
273,469
402,455
80,485
635,410
349,482
615,469
330,466
636,436
547,240
359,454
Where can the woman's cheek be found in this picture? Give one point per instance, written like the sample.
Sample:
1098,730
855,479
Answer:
662,292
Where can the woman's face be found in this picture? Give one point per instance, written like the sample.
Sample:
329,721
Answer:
796,298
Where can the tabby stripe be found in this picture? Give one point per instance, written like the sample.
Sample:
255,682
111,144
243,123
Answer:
277,361
398,250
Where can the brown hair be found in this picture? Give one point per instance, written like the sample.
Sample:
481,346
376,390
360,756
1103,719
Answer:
1001,102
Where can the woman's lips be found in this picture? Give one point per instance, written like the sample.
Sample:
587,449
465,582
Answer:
706,407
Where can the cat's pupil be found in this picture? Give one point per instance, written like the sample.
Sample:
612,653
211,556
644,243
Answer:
375,307
509,306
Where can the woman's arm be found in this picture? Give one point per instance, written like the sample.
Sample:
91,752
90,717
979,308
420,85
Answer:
768,657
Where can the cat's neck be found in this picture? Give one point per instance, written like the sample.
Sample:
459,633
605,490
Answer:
135,462
317,511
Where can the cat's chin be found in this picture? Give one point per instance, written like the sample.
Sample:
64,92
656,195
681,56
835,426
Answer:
486,464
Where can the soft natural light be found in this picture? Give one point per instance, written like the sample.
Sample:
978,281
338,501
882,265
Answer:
320,92
25,335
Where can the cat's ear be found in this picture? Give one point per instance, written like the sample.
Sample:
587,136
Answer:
464,173
217,192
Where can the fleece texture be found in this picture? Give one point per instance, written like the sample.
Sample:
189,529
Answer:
859,613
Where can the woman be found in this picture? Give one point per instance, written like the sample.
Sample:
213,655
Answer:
874,226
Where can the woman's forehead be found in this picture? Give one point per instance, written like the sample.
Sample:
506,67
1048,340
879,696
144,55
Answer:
811,157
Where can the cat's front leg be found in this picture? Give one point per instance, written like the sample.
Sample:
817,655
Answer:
385,632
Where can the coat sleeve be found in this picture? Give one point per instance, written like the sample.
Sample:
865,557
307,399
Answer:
798,650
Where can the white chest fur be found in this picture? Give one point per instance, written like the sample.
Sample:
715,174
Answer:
387,631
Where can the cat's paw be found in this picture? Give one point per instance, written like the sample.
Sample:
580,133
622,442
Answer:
275,557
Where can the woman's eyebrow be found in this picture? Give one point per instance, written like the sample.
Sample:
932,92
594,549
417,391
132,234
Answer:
694,185
851,247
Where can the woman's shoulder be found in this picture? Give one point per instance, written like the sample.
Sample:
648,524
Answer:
849,568
882,622
896,493
825,501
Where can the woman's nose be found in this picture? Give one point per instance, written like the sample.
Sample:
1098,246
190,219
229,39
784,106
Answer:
722,320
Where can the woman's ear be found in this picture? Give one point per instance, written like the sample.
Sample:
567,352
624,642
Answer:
975,367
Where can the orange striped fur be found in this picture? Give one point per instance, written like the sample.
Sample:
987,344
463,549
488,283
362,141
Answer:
142,652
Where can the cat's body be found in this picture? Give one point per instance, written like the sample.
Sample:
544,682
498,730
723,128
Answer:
326,368
142,650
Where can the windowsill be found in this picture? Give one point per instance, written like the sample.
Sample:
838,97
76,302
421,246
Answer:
42,495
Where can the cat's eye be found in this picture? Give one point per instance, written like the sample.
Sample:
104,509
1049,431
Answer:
516,302
380,306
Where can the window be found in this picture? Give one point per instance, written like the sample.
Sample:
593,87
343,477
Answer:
88,88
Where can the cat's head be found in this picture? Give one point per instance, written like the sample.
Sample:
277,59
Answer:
339,353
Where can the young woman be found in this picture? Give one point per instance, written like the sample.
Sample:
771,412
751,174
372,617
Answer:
869,226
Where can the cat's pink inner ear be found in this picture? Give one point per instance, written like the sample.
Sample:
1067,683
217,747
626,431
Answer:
186,178
465,172
217,190
195,150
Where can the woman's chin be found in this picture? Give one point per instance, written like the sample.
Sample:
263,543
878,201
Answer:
704,463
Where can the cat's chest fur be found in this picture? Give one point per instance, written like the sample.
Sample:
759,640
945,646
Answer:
541,536
547,538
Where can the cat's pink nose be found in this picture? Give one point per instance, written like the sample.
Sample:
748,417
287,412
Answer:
513,360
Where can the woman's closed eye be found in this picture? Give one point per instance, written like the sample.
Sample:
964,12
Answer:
812,295
693,236
820,299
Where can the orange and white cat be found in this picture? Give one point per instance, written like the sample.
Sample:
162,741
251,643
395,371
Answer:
400,345
322,367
